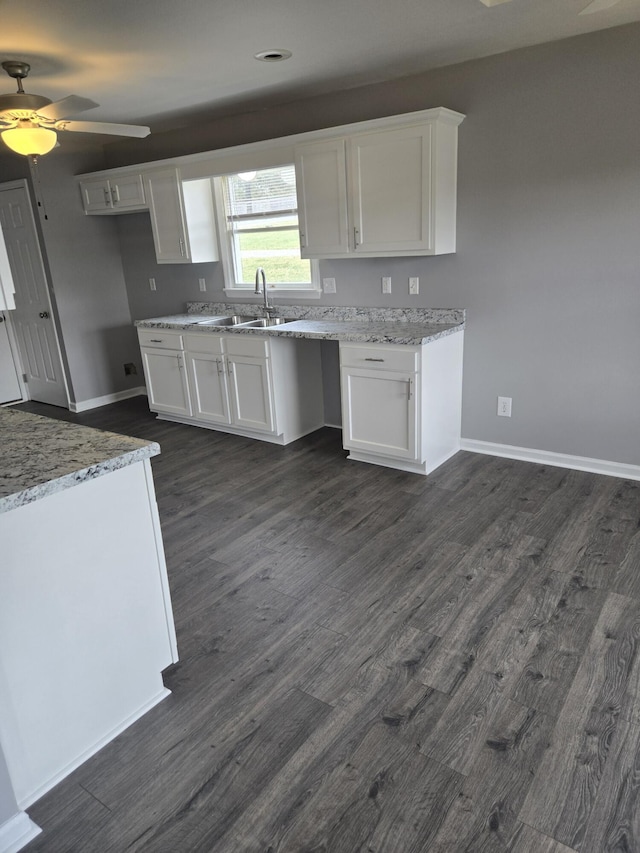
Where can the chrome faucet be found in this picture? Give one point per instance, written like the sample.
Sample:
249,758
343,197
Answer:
268,309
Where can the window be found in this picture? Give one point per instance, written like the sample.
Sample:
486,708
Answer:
261,230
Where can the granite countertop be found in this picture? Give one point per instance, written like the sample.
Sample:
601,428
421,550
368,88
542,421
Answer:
379,325
40,456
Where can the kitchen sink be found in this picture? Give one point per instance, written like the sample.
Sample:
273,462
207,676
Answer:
235,320
267,322
251,322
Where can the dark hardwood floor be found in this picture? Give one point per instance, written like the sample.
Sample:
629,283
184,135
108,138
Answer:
374,661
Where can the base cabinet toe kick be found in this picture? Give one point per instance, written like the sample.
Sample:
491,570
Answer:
401,404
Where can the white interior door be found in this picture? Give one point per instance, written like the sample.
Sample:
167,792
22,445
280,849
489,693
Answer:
33,319
9,385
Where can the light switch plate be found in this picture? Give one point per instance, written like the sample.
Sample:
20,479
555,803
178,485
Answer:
414,285
329,285
386,284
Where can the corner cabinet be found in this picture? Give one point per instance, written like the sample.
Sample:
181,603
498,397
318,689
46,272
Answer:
182,218
387,192
258,387
401,405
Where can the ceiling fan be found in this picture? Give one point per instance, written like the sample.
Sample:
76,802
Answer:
28,123
594,6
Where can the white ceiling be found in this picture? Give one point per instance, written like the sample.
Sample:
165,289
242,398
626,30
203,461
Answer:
153,61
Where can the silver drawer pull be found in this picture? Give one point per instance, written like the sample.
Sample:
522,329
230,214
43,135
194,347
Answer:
155,340
374,359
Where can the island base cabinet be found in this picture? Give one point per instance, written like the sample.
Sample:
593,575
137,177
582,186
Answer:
85,624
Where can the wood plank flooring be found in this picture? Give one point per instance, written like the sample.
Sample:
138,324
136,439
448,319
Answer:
375,662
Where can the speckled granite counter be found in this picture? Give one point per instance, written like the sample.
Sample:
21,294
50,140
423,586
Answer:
409,326
40,456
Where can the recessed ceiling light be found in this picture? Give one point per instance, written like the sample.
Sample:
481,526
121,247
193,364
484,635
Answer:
277,54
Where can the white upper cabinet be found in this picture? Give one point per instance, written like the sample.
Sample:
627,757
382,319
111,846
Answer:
321,180
116,194
387,192
182,218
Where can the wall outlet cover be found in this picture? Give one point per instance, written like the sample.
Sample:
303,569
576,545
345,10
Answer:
329,285
504,407
386,284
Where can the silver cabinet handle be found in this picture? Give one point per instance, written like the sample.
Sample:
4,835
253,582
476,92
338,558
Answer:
180,364
374,359
44,315
410,389
155,340
303,241
355,237
219,365
115,194
107,199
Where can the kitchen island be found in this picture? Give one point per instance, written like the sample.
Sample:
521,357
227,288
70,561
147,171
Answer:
86,624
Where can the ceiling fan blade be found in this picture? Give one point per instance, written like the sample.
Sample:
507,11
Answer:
598,6
69,106
105,127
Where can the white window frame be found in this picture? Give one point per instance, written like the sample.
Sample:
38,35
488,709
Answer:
236,289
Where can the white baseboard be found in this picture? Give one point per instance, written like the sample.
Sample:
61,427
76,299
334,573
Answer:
17,832
96,402
30,798
559,460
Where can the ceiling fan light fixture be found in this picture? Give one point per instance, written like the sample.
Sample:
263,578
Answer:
29,141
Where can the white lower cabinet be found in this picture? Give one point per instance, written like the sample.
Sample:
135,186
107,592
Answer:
401,405
253,386
379,412
164,370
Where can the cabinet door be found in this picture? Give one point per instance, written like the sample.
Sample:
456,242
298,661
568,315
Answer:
209,387
164,196
127,193
390,184
96,196
379,412
251,393
321,183
166,381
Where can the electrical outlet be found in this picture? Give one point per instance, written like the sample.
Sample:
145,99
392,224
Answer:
130,369
504,407
414,285
329,285
203,284
152,284
386,285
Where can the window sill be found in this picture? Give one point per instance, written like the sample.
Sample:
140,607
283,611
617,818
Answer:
250,295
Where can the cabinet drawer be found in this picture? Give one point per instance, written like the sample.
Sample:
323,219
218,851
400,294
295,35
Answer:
387,357
204,342
160,339
244,345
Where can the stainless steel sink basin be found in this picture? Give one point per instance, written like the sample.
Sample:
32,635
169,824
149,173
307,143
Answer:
235,320
264,322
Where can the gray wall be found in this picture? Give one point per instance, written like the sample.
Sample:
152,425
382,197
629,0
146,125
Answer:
8,805
83,256
548,259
